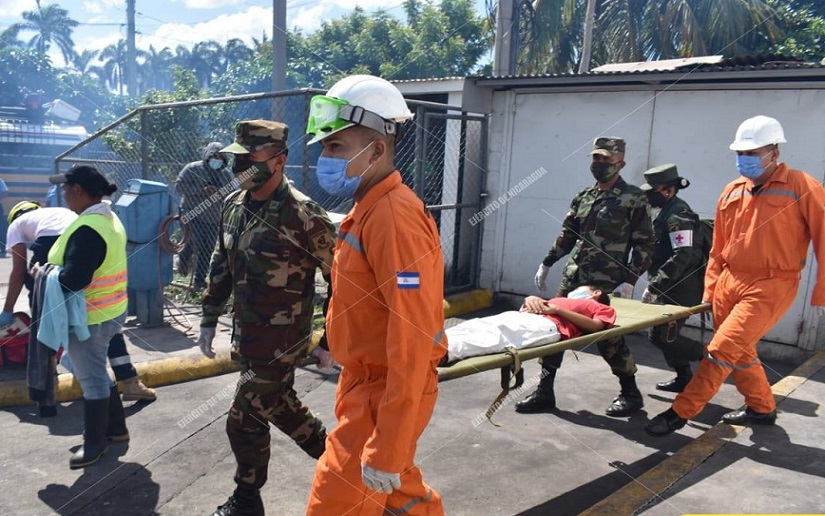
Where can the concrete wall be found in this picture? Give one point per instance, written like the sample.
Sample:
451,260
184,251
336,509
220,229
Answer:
554,129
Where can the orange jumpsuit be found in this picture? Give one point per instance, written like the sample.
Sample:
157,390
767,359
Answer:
385,327
760,242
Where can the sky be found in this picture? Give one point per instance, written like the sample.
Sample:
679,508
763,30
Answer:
169,23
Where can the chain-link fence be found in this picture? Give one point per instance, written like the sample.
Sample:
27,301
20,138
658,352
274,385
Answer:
441,156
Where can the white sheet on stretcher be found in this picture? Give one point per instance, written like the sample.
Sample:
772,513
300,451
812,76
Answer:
493,334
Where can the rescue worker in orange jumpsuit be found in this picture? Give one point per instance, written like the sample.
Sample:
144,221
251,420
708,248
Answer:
764,223
385,320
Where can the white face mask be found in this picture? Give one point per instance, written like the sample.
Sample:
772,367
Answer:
579,293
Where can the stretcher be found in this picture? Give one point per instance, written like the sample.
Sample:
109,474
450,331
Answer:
632,316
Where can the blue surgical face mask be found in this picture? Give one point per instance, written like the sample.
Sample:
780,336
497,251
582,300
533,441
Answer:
215,164
579,293
750,166
332,175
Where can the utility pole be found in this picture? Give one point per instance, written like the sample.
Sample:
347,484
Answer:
278,55
504,48
587,46
131,82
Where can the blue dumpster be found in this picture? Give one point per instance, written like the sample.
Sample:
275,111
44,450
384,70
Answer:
141,208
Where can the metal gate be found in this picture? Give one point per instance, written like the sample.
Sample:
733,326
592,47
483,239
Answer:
442,157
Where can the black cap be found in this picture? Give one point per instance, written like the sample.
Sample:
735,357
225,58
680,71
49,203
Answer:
661,175
89,178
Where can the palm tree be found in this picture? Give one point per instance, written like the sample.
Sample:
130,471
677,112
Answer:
156,69
113,58
8,38
82,61
235,51
50,24
205,61
638,30
670,29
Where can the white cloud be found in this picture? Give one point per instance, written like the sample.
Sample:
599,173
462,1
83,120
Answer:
209,4
309,19
243,25
93,7
13,8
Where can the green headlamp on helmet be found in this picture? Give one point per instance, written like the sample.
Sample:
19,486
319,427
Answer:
328,115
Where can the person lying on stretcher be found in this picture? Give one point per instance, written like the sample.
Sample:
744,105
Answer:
539,321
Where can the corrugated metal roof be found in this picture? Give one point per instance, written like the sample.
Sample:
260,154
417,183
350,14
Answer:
734,64
428,79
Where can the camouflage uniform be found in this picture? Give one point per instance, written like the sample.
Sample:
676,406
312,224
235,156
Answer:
599,232
267,260
676,276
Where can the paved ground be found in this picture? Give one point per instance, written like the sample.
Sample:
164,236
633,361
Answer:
179,463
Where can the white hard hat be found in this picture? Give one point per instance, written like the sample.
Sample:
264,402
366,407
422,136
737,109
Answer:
381,107
757,132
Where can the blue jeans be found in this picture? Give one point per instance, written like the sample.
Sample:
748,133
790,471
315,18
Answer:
88,359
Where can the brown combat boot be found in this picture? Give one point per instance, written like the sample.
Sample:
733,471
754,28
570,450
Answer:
134,390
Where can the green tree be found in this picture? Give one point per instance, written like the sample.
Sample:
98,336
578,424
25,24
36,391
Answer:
639,30
50,24
9,38
157,68
113,58
82,61
804,28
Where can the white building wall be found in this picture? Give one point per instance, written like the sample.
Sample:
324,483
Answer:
693,129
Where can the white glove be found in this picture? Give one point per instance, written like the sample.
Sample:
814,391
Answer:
541,277
380,481
205,338
648,296
326,364
819,311
625,290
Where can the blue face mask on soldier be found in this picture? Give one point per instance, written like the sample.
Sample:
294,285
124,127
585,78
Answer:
332,175
579,293
750,166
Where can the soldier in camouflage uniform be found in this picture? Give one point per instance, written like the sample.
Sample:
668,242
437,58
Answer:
273,238
608,234
677,273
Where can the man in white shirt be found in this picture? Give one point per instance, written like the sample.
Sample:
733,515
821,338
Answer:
38,228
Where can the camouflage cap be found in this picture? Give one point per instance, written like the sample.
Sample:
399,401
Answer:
254,135
608,146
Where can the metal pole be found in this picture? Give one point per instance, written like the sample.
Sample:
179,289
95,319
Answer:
144,145
503,62
131,80
278,56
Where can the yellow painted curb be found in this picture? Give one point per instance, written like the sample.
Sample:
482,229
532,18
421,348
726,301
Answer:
466,302
654,482
167,371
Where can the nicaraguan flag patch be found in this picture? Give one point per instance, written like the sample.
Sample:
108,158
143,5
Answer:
408,279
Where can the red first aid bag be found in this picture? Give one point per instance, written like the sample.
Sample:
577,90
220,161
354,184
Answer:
14,340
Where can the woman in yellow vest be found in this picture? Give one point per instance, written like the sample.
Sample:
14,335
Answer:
92,254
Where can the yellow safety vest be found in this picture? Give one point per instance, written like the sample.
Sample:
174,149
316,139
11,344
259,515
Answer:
106,296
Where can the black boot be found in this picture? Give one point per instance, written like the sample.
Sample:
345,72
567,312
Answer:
543,399
629,399
678,384
95,415
116,424
665,423
245,501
